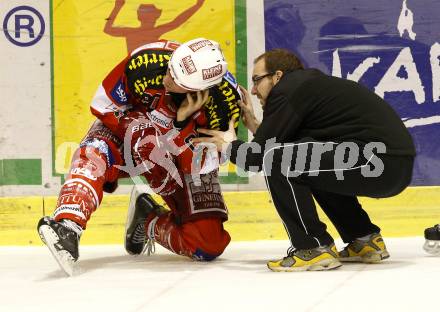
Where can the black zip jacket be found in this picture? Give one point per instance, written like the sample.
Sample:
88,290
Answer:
309,104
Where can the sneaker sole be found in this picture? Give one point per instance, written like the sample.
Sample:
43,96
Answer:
324,265
63,257
369,257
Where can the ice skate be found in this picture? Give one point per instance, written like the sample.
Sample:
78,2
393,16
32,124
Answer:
62,239
432,237
370,250
316,259
141,207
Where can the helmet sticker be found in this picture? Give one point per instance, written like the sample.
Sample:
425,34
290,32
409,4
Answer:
188,65
212,72
199,44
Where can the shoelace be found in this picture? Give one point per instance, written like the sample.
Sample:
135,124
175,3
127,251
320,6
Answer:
139,234
139,237
149,247
290,251
72,226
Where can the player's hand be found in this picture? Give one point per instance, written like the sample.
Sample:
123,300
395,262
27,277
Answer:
193,102
221,139
247,112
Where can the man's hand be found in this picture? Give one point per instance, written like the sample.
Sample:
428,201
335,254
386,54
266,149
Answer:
221,139
192,103
247,112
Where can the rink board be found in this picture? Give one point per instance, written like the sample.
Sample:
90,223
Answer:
252,216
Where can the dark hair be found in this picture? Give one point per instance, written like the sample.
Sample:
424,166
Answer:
280,59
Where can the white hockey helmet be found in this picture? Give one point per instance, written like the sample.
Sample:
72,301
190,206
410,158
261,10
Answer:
198,64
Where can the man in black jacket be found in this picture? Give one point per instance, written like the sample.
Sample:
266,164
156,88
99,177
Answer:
326,138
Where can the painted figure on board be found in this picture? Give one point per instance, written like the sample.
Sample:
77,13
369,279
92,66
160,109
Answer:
148,31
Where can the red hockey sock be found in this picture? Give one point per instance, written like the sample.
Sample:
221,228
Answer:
203,239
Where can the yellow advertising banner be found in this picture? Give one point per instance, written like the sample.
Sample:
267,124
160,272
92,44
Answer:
91,37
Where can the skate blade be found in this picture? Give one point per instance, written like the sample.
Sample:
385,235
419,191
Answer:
64,259
432,247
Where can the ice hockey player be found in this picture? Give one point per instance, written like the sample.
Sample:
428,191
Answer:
148,108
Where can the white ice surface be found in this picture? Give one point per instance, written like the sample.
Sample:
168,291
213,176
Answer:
110,280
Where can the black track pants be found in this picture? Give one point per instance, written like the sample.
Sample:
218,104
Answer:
334,186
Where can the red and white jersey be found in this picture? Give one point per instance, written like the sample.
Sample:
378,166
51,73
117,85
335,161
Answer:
132,103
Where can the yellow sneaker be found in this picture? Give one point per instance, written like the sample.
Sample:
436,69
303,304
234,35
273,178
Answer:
371,251
316,259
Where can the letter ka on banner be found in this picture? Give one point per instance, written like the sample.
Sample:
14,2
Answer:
389,47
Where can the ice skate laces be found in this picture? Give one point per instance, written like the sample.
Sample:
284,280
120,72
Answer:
149,247
139,237
72,225
139,233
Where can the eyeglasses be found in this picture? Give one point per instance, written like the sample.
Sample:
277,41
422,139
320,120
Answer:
257,79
